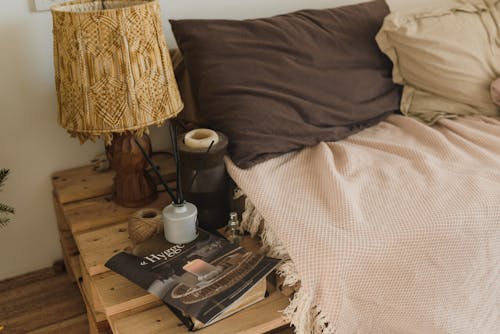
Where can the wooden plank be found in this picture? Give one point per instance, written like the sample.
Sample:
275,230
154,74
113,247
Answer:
72,265
23,292
70,254
81,183
98,325
93,329
97,321
27,279
75,266
267,326
84,182
128,313
96,247
259,318
118,294
91,294
75,325
39,304
68,243
60,219
69,270
154,321
95,213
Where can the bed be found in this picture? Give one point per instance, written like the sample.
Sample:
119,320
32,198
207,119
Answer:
368,147
393,230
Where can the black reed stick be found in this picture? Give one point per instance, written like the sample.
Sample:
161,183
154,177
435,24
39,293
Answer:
157,172
175,148
204,163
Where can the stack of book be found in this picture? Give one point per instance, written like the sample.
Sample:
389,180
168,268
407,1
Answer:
201,282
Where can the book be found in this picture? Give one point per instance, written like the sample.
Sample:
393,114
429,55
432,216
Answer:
252,296
203,281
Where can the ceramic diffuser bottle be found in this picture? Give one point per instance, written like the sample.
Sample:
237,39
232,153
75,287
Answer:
180,222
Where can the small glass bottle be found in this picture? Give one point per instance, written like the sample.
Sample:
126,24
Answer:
233,231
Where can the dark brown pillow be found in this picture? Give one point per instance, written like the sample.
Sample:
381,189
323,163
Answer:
189,118
279,84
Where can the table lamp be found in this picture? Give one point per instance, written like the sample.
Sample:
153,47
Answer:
114,78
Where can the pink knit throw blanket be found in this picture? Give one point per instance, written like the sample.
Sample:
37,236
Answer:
394,230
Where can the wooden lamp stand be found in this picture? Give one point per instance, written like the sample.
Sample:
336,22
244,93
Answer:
133,187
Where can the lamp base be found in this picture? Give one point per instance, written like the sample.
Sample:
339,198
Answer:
133,187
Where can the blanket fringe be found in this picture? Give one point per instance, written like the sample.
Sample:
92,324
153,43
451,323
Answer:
301,312
305,316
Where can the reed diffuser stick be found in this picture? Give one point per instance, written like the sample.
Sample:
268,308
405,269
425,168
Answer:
204,163
175,148
157,172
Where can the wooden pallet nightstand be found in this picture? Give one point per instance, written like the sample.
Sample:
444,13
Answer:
92,229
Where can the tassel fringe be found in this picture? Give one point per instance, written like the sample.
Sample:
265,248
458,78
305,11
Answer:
301,312
108,136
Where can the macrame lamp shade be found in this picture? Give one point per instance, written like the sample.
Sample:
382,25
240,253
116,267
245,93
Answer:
114,78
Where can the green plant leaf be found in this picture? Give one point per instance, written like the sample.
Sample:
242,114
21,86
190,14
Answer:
4,221
4,208
4,172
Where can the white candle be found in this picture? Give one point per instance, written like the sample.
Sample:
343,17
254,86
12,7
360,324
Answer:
201,138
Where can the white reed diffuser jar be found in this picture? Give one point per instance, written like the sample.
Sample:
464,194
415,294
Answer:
180,222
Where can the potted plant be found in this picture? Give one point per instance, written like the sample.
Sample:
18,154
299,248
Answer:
5,210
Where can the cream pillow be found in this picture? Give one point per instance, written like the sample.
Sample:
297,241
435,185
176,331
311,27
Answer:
407,6
446,58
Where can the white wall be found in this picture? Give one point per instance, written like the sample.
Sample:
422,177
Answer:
33,146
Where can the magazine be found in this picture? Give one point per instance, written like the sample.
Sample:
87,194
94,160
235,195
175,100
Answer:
202,280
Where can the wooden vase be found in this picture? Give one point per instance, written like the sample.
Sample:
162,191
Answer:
133,187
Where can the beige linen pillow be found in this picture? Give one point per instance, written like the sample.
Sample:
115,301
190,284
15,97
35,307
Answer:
407,6
495,91
446,58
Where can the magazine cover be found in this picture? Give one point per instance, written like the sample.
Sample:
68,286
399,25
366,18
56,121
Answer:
200,279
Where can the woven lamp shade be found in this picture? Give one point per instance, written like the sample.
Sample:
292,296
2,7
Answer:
113,70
